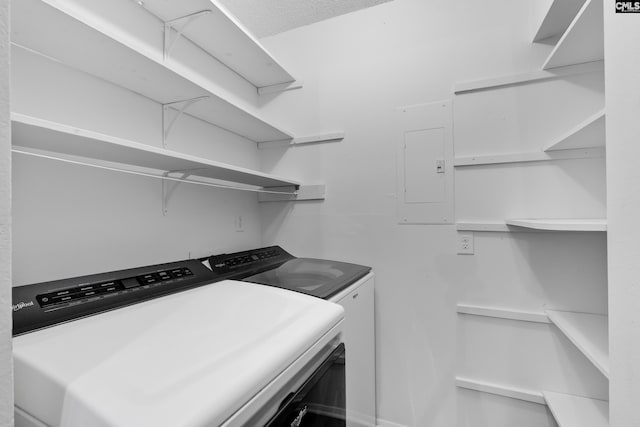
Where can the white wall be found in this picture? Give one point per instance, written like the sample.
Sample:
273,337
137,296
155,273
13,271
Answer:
622,65
6,373
72,220
357,69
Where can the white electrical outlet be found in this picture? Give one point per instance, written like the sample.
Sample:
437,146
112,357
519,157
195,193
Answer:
465,243
239,223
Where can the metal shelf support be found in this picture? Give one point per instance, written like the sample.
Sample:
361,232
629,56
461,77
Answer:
179,107
169,186
178,25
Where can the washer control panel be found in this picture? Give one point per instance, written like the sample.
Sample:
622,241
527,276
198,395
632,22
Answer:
94,291
46,304
243,264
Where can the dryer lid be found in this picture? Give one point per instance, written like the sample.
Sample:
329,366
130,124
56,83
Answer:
317,277
187,359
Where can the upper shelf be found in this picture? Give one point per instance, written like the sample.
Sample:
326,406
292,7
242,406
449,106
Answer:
224,37
590,133
84,42
558,18
560,224
34,133
583,41
575,411
588,332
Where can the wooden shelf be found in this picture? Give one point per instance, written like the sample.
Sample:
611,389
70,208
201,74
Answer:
575,411
225,38
34,133
86,43
583,41
590,133
558,18
560,224
588,332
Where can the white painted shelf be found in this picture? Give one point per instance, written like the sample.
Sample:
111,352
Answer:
220,34
33,133
558,18
503,313
588,332
501,390
570,153
575,411
589,133
95,46
583,41
532,225
526,78
560,224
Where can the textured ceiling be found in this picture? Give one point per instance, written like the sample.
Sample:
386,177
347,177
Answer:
268,17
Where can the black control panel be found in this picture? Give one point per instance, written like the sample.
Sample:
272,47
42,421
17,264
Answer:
45,304
243,264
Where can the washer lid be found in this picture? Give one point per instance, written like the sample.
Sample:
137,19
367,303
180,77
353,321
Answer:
188,359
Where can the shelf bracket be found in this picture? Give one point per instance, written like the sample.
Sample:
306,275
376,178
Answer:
169,186
180,107
178,25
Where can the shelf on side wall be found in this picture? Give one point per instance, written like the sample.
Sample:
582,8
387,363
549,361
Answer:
595,224
558,18
575,411
493,83
532,225
583,41
536,156
33,133
102,50
220,34
589,133
588,332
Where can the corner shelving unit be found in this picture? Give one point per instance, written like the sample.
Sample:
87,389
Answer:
582,41
576,411
576,29
588,332
37,134
81,41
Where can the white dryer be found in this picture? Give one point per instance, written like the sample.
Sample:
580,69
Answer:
163,346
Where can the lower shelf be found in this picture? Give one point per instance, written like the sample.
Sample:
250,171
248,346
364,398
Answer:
574,411
568,410
500,390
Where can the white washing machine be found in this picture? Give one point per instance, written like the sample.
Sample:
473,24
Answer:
164,346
